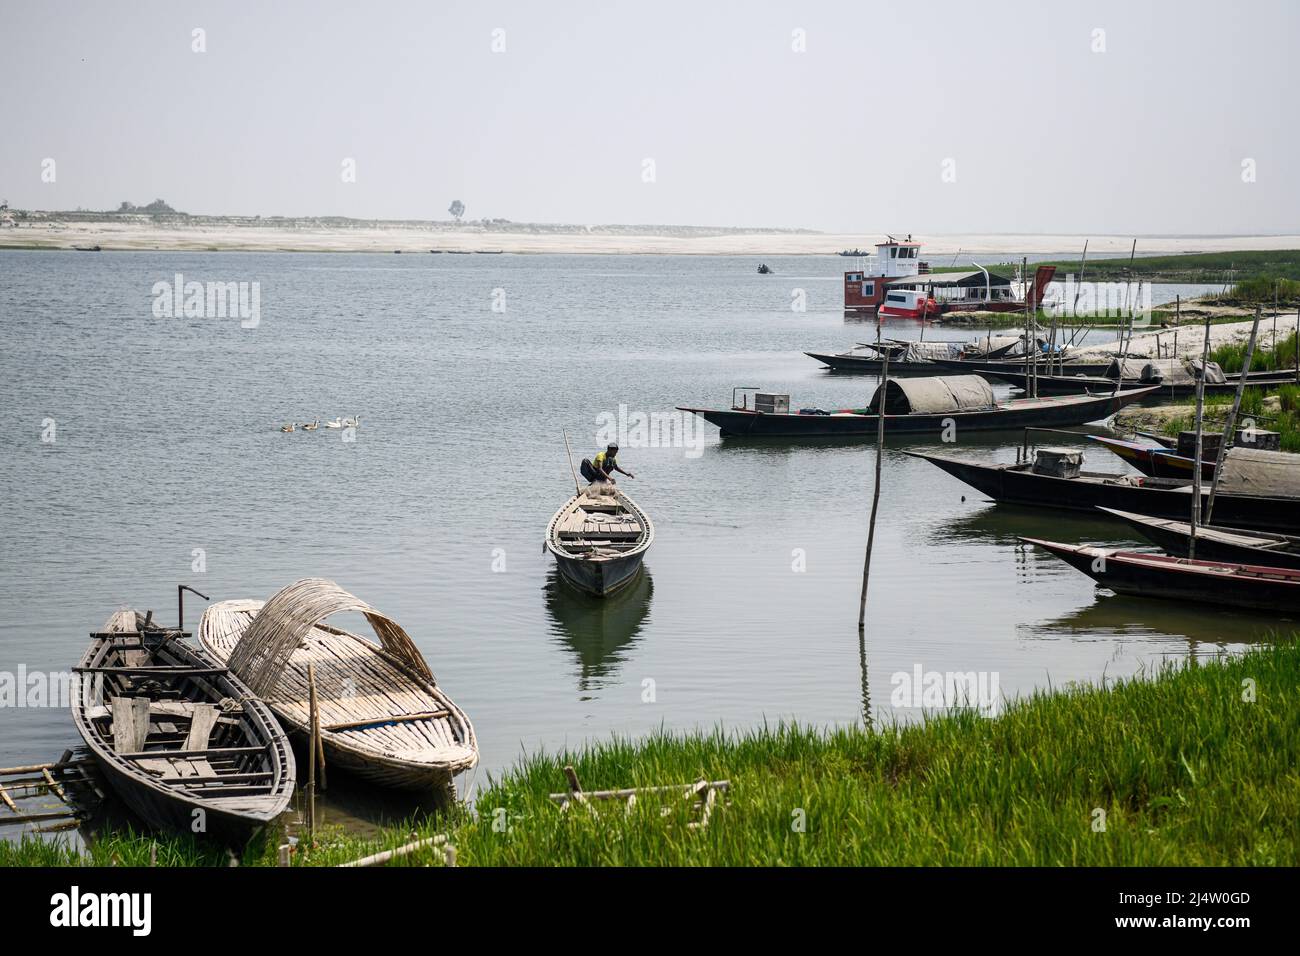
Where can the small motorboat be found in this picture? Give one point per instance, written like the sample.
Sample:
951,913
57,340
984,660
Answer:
182,741
382,714
599,539
1250,586
764,270
1215,542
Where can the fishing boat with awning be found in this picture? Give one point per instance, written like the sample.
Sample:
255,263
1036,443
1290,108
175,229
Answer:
935,406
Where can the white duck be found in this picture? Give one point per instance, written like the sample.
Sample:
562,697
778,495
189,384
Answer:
352,422
336,423
311,426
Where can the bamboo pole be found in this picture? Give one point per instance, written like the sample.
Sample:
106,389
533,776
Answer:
568,451
875,493
1196,464
311,748
1229,426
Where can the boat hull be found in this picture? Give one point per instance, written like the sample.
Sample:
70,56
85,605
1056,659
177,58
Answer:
1179,579
852,364
1071,384
1042,413
1019,485
1154,460
1017,366
1174,541
600,578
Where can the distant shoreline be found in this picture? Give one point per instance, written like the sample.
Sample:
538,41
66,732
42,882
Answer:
232,234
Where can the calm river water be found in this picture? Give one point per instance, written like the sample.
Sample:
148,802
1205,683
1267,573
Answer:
167,443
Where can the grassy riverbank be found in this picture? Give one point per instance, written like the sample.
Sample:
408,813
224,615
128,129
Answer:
1190,766
1198,267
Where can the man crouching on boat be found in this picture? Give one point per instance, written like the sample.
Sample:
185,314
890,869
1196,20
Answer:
603,468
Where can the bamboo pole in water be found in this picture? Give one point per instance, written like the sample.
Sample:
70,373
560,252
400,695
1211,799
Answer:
875,494
1229,427
1196,463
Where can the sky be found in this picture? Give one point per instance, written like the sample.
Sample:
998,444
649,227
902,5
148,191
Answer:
1152,117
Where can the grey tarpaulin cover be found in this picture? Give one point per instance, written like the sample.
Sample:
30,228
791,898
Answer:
1249,471
947,393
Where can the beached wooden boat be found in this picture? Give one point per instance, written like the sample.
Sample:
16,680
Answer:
1258,489
382,714
1181,579
906,358
1182,388
1216,542
1153,458
599,539
181,740
938,406
979,366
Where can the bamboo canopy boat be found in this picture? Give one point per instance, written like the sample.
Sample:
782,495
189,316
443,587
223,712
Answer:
382,714
599,539
184,743
921,406
1216,542
1182,579
1256,490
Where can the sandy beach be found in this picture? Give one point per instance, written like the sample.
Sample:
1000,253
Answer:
214,234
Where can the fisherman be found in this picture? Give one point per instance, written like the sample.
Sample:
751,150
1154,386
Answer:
603,468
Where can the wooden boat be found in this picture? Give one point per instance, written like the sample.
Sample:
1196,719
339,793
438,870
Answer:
924,406
868,358
183,742
599,539
1216,542
1076,384
382,714
1181,579
969,366
1244,499
1153,458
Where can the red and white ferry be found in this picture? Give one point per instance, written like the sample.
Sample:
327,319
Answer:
895,283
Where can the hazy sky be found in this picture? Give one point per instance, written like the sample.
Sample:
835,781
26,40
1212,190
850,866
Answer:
1044,133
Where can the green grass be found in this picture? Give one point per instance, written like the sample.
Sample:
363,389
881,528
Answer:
1206,267
1186,770
1284,420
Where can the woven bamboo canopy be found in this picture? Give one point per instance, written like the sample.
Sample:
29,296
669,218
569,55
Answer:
286,620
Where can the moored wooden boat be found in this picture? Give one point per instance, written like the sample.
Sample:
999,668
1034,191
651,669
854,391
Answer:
937,406
183,742
382,714
1153,458
599,539
1256,587
1216,542
1258,490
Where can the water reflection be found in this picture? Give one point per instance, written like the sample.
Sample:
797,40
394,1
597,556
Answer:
1112,616
599,631
1005,523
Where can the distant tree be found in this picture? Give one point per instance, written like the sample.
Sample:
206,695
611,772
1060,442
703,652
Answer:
158,207
457,209
126,207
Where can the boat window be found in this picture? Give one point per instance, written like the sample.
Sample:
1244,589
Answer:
893,253
896,297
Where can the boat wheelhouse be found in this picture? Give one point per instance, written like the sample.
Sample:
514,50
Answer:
895,283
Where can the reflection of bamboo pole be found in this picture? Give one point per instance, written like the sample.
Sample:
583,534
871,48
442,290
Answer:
875,494
1231,423
1196,463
